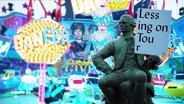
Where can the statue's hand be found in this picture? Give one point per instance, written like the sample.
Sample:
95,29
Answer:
108,72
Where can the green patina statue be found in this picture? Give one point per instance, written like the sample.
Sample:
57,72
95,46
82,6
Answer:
128,82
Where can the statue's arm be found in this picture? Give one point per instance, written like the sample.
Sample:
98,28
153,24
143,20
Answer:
98,59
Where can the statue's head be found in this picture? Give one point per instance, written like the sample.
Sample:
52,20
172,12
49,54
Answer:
126,23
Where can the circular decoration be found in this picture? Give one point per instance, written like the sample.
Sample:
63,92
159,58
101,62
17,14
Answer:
41,41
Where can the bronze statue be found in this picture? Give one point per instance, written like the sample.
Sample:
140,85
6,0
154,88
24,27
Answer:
128,82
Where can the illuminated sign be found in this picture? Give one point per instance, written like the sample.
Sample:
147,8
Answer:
179,52
178,27
84,6
5,43
104,21
41,41
102,17
83,65
116,5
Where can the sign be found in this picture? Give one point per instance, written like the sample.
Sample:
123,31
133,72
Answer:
179,52
41,41
83,6
178,27
117,5
102,16
5,43
152,31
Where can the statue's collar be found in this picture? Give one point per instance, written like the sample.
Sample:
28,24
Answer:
128,35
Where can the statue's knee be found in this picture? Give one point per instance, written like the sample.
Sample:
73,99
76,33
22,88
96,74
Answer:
140,77
125,86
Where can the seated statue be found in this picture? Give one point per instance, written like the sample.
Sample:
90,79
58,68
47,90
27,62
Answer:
128,82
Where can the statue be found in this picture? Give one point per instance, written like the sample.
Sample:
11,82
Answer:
129,81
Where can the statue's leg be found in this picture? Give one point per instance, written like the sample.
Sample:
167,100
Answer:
124,93
140,87
108,84
149,99
149,93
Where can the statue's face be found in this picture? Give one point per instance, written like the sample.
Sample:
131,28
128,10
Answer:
126,23
125,26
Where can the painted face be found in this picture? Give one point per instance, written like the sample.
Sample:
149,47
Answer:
78,34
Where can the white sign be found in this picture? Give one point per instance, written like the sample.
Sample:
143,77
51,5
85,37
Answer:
152,31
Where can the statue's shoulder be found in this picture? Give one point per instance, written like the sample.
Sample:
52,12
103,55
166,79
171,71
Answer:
119,39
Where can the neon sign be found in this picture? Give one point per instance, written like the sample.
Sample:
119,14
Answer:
116,5
178,27
102,17
84,6
83,65
179,52
41,41
104,21
5,43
